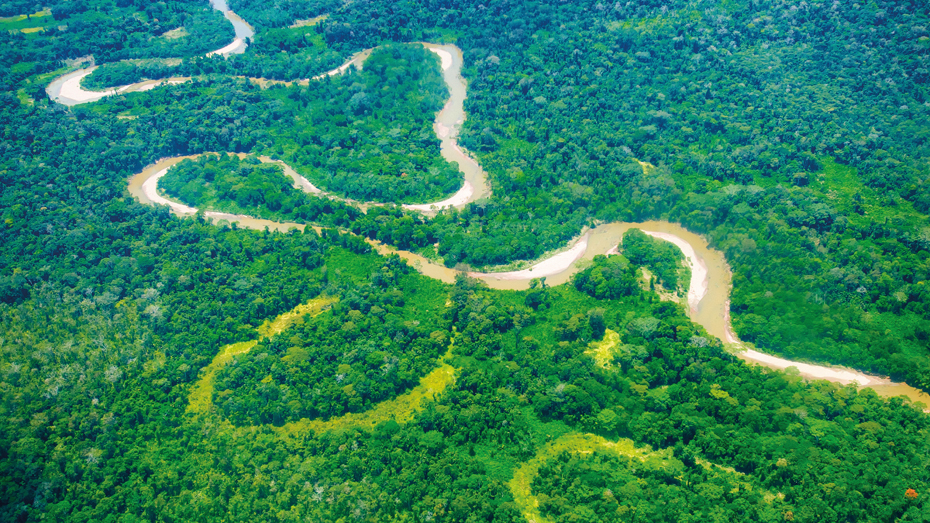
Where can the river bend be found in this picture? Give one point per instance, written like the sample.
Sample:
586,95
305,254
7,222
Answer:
709,288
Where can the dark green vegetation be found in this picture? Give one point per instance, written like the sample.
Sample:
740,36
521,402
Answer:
284,13
370,136
226,183
608,277
10,8
117,74
367,136
108,30
660,257
281,54
765,123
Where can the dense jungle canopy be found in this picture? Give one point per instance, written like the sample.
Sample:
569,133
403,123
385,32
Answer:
161,368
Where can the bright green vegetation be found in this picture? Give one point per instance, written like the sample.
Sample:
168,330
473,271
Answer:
388,413
586,477
201,395
376,343
763,124
519,381
661,258
862,203
605,350
523,485
28,23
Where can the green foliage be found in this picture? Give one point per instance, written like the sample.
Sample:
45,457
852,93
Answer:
373,345
279,13
113,31
366,135
231,184
663,259
280,54
109,309
16,8
117,74
610,487
369,135
608,278
27,16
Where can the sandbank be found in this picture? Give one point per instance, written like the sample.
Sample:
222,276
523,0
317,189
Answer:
698,285
813,371
150,189
445,56
547,267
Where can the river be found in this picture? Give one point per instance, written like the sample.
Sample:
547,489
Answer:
708,293
709,288
241,27
67,90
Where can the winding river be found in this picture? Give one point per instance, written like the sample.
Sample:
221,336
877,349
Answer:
709,289
67,90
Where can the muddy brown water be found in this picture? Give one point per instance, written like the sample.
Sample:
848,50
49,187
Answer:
712,312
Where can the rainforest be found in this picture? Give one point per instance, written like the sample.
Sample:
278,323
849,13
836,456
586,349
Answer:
425,261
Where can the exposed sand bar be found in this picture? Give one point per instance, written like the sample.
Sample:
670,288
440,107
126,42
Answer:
548,267
358,59
444,55
150,189
460,198
237,46
813,371
697,288
67,89
299,181
474,176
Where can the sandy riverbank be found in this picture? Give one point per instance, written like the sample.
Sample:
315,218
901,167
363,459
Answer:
474,176
150,189
67,89
709,288
548,267
697,288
